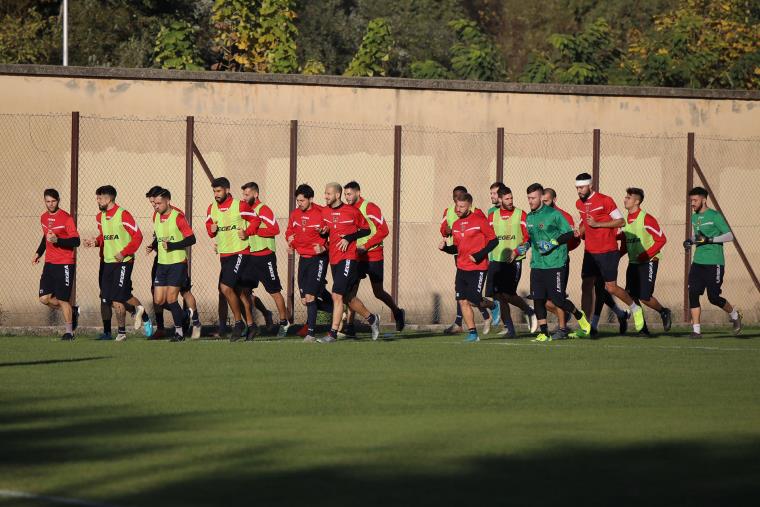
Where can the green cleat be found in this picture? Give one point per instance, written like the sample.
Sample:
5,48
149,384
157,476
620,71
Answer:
638,318
542,338
584,328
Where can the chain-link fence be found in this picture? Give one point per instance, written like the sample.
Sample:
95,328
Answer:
134,154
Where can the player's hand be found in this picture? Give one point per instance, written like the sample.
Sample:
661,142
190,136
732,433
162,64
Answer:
448,231
343,245
521,249
290,239
576,232
119,257
165,244
324,230
687,244
92,242
36,258
472,259
148,248
700,239
319,249
546,246
442,244
242,234
52,237
513,255
591,222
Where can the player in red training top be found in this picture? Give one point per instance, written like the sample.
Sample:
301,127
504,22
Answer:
370,250
59,239
343,225
599,222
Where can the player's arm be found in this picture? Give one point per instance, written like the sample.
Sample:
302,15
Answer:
188,237
290,232
40,250
266,215
381,226
616,217
252,218
491,242
73,240
210,225
135,234
651,225
445,231
362,229
725,235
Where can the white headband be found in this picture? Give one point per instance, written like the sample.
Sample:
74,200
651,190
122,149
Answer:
581,183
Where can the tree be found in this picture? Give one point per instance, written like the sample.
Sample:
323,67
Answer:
473,55
176,47
430,69
374,54
29,37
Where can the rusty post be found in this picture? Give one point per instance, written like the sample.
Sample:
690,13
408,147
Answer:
395,262
203,163
500,154
687,223
596,161
189,136
74,187
292,181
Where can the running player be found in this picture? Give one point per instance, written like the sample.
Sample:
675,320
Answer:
120,238
344,225
230,221
173,235
262,265
370,249
59,239
709,232
493,194
600,219
473,238
643,239
303,236
549,234
505,268
449,217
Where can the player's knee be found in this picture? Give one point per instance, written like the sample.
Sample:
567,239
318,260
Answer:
45,300
308,298
610,286
694,299
716,300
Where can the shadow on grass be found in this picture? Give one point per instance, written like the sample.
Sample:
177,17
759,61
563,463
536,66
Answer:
53,361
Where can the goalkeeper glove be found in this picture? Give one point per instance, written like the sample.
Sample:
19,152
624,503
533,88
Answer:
547,246
521,249
701,239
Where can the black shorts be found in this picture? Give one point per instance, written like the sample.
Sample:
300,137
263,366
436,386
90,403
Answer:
170,275
548,284
469,285
604,265
566,276
185,286
262,270
233,268
503,277
374,269
706,277
58,280
344,277
312,274
640,280
116,282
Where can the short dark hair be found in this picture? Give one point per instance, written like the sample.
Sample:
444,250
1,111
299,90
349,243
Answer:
698,191
153,191
51,192
583,176
252,185
503,190
466,198
106,190
536,187
459,188
304,190
164,192
353,185
637,192
551,192
496,184
220,182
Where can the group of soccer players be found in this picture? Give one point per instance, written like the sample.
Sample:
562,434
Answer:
490,249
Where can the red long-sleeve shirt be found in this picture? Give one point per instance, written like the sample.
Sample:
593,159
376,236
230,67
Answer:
471,235
601,208
575,242
130,225
374,215
303,228
265,215
651,225
342,221
245,211
62,225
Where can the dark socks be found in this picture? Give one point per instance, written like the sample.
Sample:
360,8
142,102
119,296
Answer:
177,314
311,316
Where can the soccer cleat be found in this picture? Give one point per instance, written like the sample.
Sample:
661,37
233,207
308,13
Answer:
695,336
349,331
487,325
67,337
542,338
221,331
282,331
327,339
506,334
495,312
594,332
560,334
400,319
375,328
139,312
177,338
737,322
148,328
121,337
239,332
309,339
584,327
158,334
667,318
453,329
252,332
533,322
623,322
196,335
472,337
638,318
74,318
104,336
304,331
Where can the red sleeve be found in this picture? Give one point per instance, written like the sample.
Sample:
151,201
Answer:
445,225
609,205
376,215
134,232
183,226
490,217
487,229
359,220
651,225
289,229
249,216
71,228
99,239
209,222
266,215
523,226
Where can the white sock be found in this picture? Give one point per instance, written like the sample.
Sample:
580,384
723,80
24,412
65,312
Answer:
595,321
634,307
697,328
178,330
734,314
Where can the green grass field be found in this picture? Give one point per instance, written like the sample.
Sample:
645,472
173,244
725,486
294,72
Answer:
423,420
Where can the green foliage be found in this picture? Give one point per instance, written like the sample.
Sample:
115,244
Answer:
313,68
430,69
473,55
176,48
374,54
28,38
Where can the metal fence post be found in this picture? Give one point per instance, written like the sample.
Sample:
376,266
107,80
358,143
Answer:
74,186
687,223
291,205
596,160
396,211
500,154
189,139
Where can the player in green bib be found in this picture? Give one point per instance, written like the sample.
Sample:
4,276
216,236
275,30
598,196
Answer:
709,232
549,234
643,239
